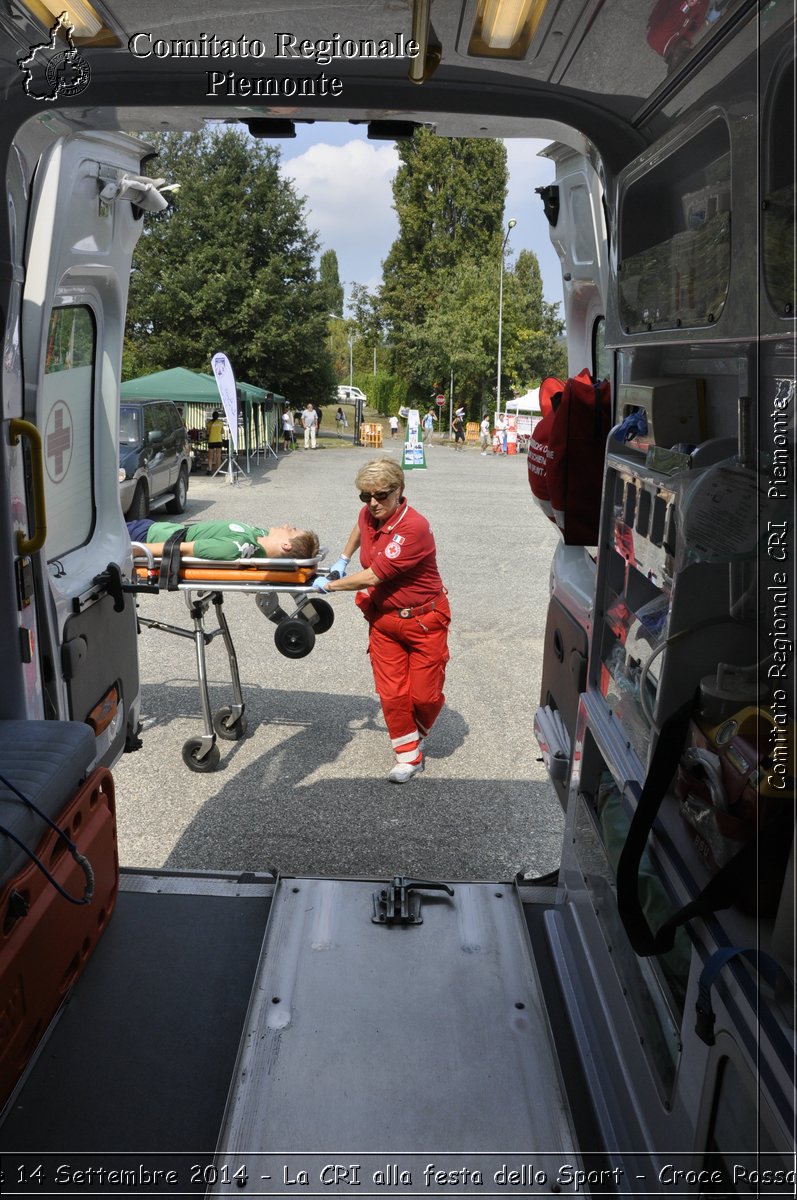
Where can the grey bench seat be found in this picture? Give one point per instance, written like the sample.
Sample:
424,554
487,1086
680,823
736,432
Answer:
46,761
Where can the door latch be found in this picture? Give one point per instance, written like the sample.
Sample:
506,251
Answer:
399,900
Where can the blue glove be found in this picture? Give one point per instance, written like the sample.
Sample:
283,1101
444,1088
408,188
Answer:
339,568
321,584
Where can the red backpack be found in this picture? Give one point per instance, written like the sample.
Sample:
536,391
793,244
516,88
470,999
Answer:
571,443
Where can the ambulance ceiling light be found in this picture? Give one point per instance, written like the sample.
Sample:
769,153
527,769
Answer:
85,22
504,28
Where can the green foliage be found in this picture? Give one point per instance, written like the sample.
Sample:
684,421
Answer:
439,301
229,266
329,280
531,326
386,393
365,313
449,199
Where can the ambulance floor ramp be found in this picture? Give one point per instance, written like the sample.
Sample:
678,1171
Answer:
422,1044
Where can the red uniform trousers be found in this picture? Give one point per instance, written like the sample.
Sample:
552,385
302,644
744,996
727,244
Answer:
408,658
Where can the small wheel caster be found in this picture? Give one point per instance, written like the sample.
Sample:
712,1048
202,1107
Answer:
294,637
227,728
191,758
320,613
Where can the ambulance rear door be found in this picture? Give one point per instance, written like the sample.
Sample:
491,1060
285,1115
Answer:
79,638
576,209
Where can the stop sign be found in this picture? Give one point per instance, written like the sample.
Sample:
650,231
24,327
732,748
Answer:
441,400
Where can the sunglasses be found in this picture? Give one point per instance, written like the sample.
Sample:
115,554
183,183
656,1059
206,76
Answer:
367,497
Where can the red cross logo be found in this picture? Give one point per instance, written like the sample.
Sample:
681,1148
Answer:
58,442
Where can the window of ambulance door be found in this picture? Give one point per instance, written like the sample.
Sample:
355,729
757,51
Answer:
601,357
68,429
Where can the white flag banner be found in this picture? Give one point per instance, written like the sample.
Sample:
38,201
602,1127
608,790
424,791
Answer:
225,382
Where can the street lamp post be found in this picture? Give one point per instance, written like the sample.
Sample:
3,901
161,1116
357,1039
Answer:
509,229
358,412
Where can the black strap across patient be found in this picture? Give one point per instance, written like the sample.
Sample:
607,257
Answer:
169,576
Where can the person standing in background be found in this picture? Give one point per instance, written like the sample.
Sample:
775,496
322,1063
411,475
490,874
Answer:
215,432
428,427
501,430
484,433
310,424
288,428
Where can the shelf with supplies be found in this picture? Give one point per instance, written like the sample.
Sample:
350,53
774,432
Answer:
663,615
672,710
681,859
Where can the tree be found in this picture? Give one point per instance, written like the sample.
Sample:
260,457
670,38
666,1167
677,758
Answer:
365,315
530,349
329,279
229,266
459,335
449,199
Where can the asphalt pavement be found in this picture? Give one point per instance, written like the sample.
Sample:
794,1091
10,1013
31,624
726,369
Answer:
305,792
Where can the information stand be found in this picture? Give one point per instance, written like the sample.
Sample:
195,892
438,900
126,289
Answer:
414,454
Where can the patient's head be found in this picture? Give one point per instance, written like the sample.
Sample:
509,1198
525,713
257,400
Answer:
286,541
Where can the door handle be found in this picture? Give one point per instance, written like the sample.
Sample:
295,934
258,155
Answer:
24,429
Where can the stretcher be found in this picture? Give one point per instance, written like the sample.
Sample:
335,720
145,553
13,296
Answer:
274,582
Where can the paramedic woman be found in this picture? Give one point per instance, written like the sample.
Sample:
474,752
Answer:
401,595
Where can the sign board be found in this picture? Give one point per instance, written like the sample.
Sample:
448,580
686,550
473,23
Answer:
441,401
414,457
225,382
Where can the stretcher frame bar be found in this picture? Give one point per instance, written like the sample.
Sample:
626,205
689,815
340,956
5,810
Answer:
215,569
142,550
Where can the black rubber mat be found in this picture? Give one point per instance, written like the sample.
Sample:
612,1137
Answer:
140,1060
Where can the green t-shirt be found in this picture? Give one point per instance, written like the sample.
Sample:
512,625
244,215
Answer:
224,540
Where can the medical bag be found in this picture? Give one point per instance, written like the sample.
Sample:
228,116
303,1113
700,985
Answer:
566,457
550,393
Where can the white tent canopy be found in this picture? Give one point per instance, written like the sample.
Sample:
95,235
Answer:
529,403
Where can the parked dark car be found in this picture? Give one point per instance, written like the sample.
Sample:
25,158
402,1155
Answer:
154,457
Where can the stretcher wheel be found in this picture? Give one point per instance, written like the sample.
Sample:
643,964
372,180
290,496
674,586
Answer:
323,613
231,731
294,637
191,749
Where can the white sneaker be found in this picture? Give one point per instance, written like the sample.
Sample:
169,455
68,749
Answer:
403,772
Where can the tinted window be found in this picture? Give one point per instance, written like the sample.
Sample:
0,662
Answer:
151,419
129,427
778,224
601,357
675,242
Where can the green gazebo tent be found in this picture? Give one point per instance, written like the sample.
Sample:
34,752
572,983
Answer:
196,392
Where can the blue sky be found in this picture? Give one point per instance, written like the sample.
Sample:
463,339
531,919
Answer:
346,180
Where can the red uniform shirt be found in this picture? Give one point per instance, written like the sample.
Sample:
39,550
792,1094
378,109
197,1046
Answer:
403,554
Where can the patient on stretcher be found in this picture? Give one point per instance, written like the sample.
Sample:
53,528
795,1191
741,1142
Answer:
226,540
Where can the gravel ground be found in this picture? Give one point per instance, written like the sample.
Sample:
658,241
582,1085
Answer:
306,792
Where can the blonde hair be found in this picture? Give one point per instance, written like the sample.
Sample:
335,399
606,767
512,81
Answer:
304,545
380,473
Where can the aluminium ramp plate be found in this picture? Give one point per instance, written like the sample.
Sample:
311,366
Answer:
427,1043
